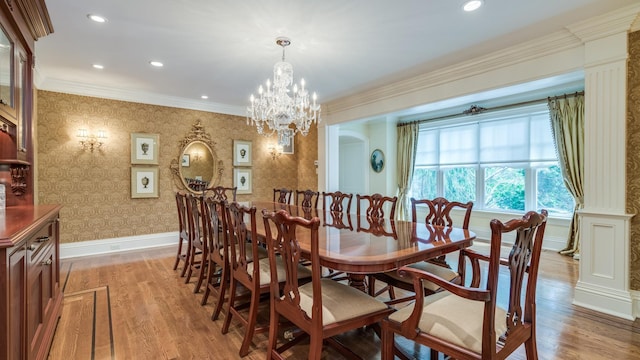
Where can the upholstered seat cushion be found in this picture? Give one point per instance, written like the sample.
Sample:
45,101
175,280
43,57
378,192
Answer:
437,270
339,301
455,319
265,271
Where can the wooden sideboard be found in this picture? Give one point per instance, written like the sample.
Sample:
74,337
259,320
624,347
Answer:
30,294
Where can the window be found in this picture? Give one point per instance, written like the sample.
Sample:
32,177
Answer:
502,161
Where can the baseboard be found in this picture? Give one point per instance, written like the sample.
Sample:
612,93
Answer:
609,301
106,246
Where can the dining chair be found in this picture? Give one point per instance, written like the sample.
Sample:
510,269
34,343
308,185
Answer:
322,308
282,196
307,198
254,275
183,233
222,193
466,322
375,205
337,201
198,246
438,214
218,267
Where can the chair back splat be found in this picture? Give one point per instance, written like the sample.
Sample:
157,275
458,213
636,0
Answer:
476,327
216,235
198,250
222,193
376,204
282,196
337,201
183,234
307,198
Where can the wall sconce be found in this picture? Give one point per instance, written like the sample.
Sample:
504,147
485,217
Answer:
275,151
91,141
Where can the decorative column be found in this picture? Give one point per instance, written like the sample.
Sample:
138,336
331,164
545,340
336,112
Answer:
603,283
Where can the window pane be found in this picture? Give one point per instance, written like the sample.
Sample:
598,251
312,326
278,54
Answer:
427,149
552,194
506,140
459,145
459,184
504,188
424,184
542,145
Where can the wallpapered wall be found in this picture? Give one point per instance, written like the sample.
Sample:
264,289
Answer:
95,188
633,156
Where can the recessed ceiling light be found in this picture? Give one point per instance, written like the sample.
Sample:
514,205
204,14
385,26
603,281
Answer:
156,63
97,18
98,66
204,97
472,5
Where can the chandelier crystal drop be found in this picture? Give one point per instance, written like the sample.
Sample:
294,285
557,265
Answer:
279,109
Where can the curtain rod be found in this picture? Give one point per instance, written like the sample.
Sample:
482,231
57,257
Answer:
475,109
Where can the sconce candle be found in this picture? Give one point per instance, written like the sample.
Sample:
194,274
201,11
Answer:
91,141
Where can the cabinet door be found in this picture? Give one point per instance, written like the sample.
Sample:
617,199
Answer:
17,275
40,294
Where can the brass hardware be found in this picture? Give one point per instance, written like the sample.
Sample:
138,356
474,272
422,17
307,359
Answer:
47,262
31,247
42,239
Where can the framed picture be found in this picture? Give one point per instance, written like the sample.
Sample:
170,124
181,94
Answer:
144,182
186,159
242,180
241,153
144,148
377,160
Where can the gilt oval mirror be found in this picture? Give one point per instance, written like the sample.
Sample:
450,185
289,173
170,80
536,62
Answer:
197,167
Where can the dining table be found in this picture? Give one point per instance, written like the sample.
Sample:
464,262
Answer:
358,245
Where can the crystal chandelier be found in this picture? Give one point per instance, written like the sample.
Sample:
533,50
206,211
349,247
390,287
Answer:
277,109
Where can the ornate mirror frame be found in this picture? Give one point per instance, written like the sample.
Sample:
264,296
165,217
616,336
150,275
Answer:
197,134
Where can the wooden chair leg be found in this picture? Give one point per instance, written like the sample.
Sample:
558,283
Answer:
222,288
387,340
251,323
232,299
315,347
274,319
179,255
202,274
187,258
530,346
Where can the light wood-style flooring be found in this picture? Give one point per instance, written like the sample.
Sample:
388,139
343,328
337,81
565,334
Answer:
134,306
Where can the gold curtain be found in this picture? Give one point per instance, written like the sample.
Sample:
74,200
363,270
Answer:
567,125
407,144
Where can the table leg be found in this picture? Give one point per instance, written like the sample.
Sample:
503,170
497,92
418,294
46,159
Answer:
357,281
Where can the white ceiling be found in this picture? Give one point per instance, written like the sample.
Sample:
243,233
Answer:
225,49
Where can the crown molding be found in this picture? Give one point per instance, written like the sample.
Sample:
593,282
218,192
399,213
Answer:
615,22
550,44
75,88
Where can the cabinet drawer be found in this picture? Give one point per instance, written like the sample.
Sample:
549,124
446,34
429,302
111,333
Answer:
40,243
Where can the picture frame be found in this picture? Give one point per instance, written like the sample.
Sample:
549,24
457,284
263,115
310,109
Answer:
144,182
243,181
377,160
144,148
186,160
242,153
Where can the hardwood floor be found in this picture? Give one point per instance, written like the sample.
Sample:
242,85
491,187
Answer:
134,306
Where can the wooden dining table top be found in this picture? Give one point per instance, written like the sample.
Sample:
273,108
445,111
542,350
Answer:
360,246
